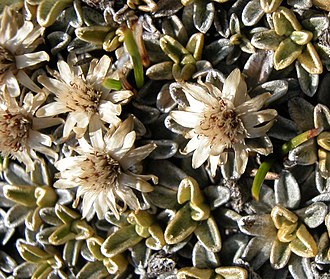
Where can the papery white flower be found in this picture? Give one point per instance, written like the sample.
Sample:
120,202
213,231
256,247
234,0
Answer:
217,120
19,129
18,40
87,102
105,172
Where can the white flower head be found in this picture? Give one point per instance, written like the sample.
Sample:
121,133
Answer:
104,172
18,40
217,120
20,137
87,102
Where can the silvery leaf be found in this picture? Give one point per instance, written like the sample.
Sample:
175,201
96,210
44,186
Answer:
258,67
257,225
316,23
217,195
266,200
233,55
268,272
304,154
44,234
7,263
203,15
162,170
146,114
49,216
233,248
301,4
322,184
204,258
59,41
323,247
308,82
187,19
24,270
300,268
322,117
140,254
78,46
257,252
287,191
252,13
301,113
323,93
165,149
174,28
163,197
277,88
216,78
177,94
218,50
165,103
226,217
16,175
16,216
170,249
65,196
313,215
86,253
221,22
167,8
30,236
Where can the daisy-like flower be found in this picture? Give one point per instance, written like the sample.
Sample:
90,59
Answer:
217,120
87,102
18,39
20,137
105,172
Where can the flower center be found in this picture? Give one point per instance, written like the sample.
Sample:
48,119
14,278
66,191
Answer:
82,97
100,172
6,60
222,126
14,132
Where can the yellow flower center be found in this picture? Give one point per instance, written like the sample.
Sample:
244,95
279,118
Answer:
100,172
14,132
6,60
81,97
221,125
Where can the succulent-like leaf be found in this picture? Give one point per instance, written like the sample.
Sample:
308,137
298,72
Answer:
304,245
120,241
208,234
280,254
286,53
181,226
252,13
232,272
48,11
310,60
203,15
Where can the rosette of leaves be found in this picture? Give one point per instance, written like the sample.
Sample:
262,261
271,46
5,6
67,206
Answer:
316,149
193,217
289,41
203,13
184,59
40,262
231,47
101,266
30,193
224,272
133,227
280,228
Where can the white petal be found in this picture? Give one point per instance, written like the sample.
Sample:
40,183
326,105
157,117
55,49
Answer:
241,159
65,71
87,204
199,93
201,153
51,109
12,85
39,138
120,96
19,37
64,184
214,161
253,119
186,119
68,163
234,88
191,145
30,59
68,125
100,70
25,80
53,85
95,132
116,140
85,146
253,104
42,123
